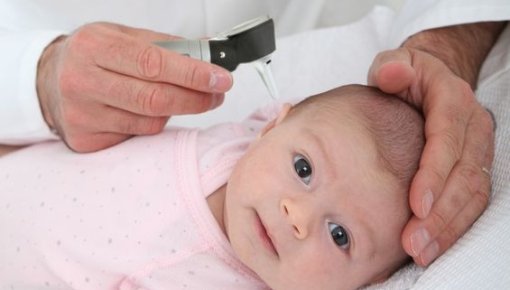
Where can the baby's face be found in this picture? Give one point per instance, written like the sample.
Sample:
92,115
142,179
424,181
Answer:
310,207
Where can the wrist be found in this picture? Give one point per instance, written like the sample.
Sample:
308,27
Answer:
45,80
462,48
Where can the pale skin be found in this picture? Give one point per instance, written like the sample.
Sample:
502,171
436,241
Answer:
106,82
281,224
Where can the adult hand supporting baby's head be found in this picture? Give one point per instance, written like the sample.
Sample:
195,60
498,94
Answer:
436,70
106,82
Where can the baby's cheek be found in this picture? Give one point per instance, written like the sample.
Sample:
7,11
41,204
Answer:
321,269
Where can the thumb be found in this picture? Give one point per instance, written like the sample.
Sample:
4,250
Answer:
392,71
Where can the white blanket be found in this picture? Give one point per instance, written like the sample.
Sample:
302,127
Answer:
315,61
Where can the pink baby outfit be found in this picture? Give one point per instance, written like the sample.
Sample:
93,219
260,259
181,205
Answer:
129,217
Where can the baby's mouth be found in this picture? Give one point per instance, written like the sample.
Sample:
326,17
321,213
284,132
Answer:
265,236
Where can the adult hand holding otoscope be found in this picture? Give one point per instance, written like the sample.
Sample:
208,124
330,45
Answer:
106,82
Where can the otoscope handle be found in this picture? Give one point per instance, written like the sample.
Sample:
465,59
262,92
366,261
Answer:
195,48
242,47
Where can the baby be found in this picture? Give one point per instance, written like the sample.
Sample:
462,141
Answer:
311,196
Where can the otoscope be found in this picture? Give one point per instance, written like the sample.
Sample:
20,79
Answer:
251,41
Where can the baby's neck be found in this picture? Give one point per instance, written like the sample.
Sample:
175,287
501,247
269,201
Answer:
216,202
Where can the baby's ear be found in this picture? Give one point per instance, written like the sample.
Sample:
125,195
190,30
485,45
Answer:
281,116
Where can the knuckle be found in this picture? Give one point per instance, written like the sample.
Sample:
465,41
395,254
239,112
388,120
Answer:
198,103
155,125
436,173
153,100
450,234
469,177
146,126
207,102
192,76
452,143
79,142
456,201
482,197
76,144
438,220
487,122
127,127
150,62
458,116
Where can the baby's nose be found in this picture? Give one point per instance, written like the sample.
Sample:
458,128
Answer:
298,217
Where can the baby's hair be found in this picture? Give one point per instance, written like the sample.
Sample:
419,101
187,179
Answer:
396,126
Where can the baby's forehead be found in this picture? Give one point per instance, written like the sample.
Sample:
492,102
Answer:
332,115
340,105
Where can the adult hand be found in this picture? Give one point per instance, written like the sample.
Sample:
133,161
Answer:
436,70
105,83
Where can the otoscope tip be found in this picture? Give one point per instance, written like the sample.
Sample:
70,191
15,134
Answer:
262,66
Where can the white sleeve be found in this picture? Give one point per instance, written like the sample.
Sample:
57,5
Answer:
21,120
416,16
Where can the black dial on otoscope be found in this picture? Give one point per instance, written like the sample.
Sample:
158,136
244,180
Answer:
246,46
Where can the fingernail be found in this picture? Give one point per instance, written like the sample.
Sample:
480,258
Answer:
426,202
419,240
430,253
220,81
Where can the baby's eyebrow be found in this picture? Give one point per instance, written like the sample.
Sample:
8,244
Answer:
323,148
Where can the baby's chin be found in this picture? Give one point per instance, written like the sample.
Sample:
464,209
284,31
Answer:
283,280
305,284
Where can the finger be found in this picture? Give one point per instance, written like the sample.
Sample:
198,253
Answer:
454,211
86,120
127,55
80,133
392,72
458,227
123,122
98,118
91,142
457,194
150,98
445,129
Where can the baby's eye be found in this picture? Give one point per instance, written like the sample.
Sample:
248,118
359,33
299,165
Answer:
303,168
339,235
